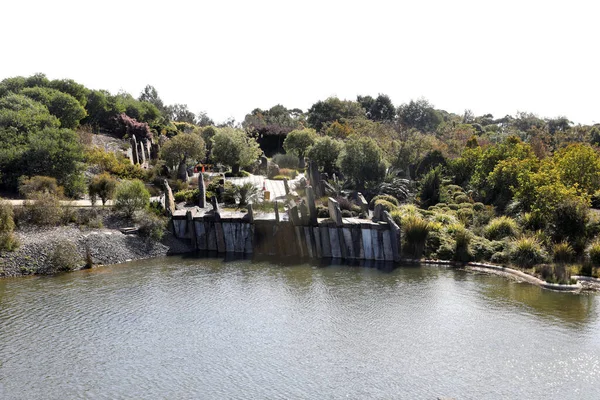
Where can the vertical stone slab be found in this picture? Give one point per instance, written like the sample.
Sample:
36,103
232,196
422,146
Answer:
334,242
309,242
299,241
357,242
142,153
169,199
348,243
388,253
276,206
191,227
367,241
377,240
317,236
201,235
334,211
303,214
130,155
362,203
211,237
228,236
395,236
312,207
249,237
325,241
202,192
378,213
134,150
293,214
220,234
286,185
250,214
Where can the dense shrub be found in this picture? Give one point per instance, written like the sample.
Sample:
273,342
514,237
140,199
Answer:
64,257
461,198
386,197
481,248
554,273
465,215
239,174
526,252
429,193
286,160
29,187
501,227
152,226
131,196
568,220
593,252
43,209
478,206
102,186
8,240
462,238
290,173
272,170
387,206
246,193
533,221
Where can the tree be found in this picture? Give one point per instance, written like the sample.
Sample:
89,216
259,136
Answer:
325,153
102,186
204,120
362,161
234,148
378,109
270,127
131,196
298,142
181,113
69,86
579,165
182,150
333,109
63,106
420,115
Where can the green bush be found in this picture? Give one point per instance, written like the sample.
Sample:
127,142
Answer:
322,212
239,174
280,177
131,196
385,197
562,252
415,230
289,173
465,215
64,257
501,227
468,206
387,206
430,187
453,207
152,226
500,257
462,238
526,252
481,249
102,186
554,273
43,209
533,221
31,187
8,240
593,253
461,198
286,160
478,206
444,219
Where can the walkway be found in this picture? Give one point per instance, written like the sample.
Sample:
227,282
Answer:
277,188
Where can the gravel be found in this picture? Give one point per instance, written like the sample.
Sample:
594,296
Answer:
106,246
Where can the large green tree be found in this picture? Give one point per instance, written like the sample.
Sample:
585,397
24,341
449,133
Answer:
234,148
183,150
62,105
420,115
362,161
333,109
299,142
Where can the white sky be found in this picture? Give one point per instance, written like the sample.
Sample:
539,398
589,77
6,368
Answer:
229,57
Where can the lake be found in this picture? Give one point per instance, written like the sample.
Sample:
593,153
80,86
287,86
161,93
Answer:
198,328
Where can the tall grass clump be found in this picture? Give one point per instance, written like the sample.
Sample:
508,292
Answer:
415,230
501,227
462,238
562,252
526,252
431,183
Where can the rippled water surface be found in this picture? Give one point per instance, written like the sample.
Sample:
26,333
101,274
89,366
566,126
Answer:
178,328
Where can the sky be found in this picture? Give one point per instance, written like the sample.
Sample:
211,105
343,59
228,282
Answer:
229,57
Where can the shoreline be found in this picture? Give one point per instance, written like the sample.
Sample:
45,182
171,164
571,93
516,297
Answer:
109,246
